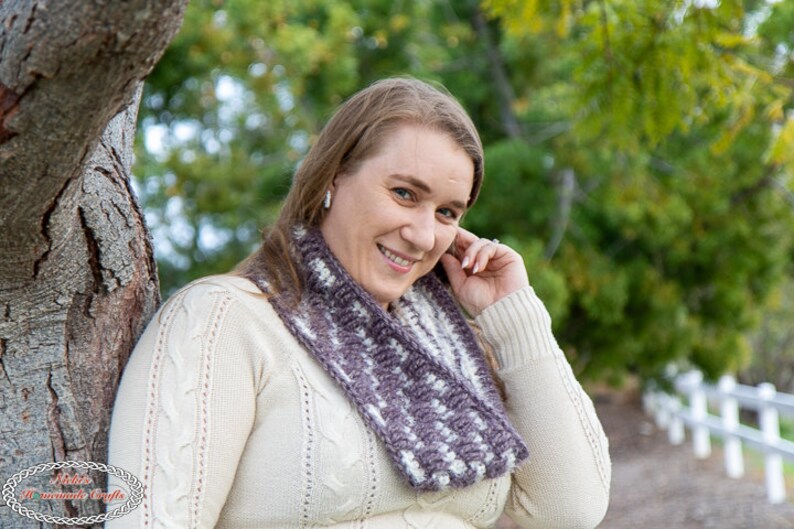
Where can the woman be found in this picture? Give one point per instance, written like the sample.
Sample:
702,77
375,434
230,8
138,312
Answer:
332,379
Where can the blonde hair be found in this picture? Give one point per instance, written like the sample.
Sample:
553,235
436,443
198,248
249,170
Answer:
355,133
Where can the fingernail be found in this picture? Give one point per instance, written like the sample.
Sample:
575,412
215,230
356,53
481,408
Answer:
476,267
465,262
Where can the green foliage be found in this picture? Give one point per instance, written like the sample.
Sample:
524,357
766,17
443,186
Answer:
646,186
773,345
680,143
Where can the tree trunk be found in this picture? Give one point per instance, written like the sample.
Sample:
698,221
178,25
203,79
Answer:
504,91
77,277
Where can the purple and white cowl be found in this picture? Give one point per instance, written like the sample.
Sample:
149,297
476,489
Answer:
415,374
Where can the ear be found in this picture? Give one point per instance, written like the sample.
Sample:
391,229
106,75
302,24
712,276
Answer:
332,185
336,181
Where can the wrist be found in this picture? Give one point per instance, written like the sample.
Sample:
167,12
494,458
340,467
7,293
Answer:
519,328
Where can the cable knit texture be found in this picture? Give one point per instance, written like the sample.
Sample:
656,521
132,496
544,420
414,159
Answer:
232,424
416,375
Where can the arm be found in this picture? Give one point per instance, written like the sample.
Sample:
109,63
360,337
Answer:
565,482
185,408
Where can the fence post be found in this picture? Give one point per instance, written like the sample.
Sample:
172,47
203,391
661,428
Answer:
701,440
729,408
648,401
675,433
770,428
662,415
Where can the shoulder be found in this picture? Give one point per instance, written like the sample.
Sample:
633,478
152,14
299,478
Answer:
231,301
222,319
210,295
205,308
229,285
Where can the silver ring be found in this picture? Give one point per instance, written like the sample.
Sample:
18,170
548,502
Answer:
495,241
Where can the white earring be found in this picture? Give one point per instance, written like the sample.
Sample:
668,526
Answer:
327,201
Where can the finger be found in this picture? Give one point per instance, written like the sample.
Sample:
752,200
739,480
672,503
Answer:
454,271
484,256
472,251
479,253
463,239
465,236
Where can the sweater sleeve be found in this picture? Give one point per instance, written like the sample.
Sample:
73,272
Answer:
565,482
185,408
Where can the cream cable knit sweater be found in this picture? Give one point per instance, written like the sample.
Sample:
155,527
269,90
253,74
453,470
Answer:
230,423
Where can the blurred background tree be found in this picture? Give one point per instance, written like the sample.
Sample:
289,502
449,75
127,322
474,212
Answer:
773,344
638,152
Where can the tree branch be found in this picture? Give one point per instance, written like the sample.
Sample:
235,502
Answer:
566,182
504,91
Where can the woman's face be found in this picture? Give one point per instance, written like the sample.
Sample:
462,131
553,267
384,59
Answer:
392,219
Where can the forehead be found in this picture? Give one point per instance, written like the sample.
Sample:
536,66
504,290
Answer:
428,155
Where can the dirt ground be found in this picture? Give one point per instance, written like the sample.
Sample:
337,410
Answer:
659,486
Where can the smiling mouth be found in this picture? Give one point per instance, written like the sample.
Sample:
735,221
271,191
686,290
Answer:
394,258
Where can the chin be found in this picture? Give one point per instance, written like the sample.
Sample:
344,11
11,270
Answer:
388,297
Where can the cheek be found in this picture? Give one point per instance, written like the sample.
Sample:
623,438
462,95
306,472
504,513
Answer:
444,240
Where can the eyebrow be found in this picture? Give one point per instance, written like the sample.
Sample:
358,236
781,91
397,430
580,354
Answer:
419,184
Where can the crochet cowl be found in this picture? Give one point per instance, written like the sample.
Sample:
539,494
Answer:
415,374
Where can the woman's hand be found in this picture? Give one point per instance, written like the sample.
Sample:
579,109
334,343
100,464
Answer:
484,273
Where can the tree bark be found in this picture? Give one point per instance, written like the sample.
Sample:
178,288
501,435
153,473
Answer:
78,281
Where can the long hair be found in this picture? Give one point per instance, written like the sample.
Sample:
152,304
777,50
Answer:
355,133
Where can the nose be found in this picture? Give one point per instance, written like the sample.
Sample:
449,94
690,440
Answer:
419,231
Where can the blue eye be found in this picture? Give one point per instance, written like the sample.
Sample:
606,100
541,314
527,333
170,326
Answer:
402,193
448,213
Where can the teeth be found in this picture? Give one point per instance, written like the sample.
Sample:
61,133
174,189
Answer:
399,260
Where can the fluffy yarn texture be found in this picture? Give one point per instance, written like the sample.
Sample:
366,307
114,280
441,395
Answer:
416,375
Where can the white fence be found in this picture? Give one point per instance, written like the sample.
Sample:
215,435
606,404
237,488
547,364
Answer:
674,415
